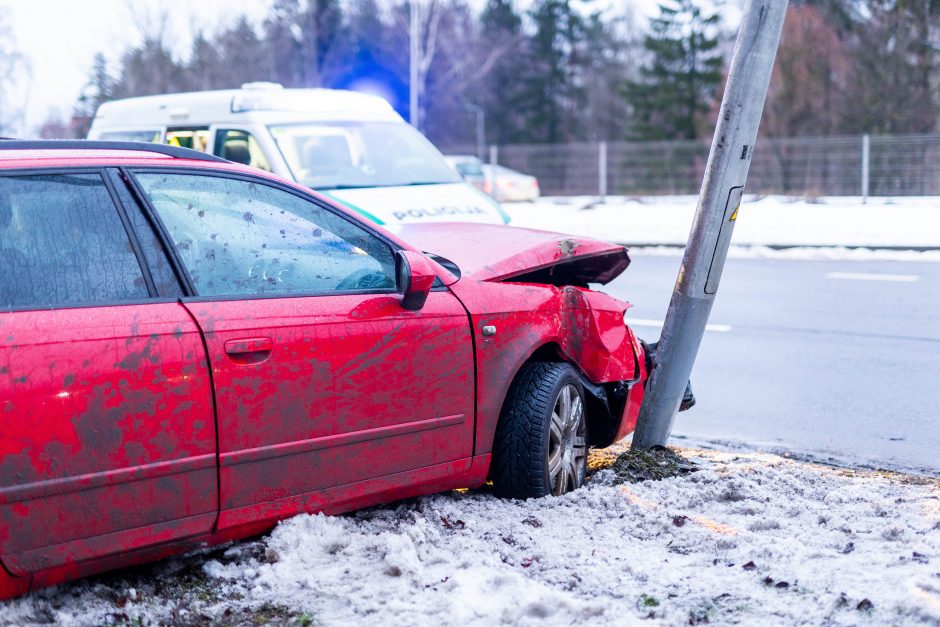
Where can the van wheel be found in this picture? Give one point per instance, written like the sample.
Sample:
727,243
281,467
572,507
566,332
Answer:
541,439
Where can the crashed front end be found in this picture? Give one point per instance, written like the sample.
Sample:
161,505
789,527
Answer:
612,360
531,291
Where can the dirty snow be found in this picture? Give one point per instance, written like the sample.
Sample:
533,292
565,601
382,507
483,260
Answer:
769,221
750,538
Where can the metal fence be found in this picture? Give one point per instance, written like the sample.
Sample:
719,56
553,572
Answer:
877,165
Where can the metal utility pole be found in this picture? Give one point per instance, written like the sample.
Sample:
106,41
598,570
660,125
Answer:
866,161
602,172
480,128
722,187
414,40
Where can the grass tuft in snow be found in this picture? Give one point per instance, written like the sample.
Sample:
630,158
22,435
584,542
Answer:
652,464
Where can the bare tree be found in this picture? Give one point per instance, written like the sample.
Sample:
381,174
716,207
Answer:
14,77
233,56
56,127
613,53
454,58
809,80
419,21
307,42
456,82
151,67
467,57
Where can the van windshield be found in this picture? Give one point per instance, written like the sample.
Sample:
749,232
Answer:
339,155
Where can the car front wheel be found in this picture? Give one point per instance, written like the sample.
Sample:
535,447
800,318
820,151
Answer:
541,438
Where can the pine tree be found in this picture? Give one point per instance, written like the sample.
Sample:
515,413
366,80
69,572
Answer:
99,89
555,92
608,55
501,93
12,65
149,69
678,85
236,55
205,67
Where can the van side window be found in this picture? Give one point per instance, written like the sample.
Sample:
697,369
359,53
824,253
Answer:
62,243
240,147
194,138
242,238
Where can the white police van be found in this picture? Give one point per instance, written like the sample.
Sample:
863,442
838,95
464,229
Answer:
350,146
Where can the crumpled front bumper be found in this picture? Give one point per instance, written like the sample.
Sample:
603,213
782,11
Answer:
688,398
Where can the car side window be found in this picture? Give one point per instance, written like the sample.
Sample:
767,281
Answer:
164,278
62,243
238,237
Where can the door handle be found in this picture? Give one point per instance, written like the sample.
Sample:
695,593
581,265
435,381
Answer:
250,350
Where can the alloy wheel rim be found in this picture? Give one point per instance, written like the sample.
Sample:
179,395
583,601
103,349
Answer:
567,442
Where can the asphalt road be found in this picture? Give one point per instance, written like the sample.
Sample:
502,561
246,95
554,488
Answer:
836,360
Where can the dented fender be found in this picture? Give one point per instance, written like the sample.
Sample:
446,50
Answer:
580,326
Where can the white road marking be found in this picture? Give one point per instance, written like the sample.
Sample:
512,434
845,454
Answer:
866,276
639,322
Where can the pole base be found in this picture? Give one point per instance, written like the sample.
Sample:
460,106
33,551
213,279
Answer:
688,399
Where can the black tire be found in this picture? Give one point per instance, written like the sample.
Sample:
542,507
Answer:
530,442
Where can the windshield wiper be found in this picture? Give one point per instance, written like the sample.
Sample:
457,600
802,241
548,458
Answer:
406,184
327,187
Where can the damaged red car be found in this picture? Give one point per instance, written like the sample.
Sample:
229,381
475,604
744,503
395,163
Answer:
192,350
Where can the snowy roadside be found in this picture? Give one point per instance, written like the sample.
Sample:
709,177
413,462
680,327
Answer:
749,538
763,223
803,253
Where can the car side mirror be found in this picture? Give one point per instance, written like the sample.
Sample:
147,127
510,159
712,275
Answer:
415,278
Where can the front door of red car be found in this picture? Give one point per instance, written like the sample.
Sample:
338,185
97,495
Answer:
322,378
107,436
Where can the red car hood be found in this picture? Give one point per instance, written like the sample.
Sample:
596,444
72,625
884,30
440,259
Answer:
488,252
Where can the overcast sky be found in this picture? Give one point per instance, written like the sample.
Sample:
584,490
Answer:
59,39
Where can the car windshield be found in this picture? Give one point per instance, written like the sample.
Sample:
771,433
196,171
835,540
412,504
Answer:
370,154
469,168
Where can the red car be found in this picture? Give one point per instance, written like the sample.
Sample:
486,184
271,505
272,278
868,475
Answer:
192,350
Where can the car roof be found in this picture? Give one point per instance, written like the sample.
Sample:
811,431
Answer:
59,153
266,103
500,168
29,154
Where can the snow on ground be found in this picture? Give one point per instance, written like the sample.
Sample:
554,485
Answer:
769,221
804,253
750,538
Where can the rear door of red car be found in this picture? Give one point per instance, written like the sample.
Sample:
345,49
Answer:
107,433
322,379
